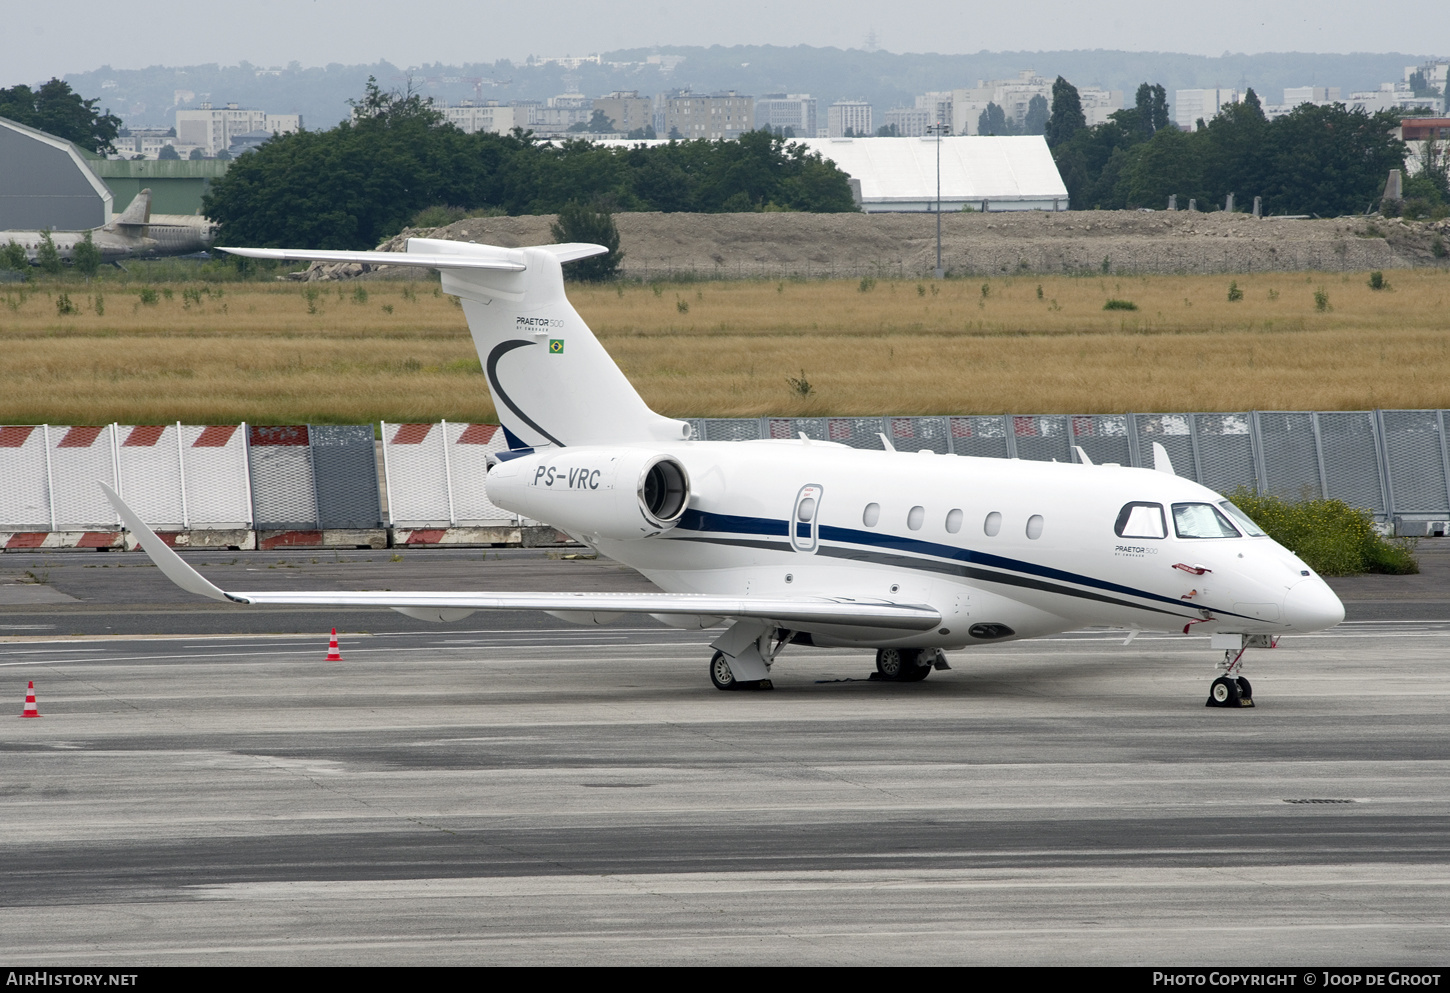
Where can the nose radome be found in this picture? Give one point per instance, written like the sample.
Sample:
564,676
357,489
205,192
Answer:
1312,606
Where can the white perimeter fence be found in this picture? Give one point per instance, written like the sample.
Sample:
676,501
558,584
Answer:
1396,463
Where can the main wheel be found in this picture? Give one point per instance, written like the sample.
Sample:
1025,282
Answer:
720,673
890,663
1223,692
1245,690
914,671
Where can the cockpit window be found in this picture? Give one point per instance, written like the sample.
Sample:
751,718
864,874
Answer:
1141,520
1201,520
1245,523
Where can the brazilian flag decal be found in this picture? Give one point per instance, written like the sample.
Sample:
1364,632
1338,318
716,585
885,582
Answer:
556,346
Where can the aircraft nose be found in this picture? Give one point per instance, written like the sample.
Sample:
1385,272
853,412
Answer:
1312,606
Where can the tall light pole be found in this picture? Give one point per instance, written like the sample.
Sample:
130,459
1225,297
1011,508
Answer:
939,130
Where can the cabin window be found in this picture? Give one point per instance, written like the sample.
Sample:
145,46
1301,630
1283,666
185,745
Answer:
1141,520
992,524
1245,523
1201,520
954,521
872,515
1034,526
915,517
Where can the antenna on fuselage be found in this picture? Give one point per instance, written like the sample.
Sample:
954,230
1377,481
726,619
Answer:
1160,459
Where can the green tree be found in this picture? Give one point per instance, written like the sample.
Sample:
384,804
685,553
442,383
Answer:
86,257
1067,118
1036,120
168,153
47,256
12,256
994,120
1151,104
578,223
196,155
56,109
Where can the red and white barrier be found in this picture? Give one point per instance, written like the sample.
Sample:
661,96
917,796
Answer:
435,475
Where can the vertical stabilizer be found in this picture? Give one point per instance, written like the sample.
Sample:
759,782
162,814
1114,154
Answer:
138,213
552,381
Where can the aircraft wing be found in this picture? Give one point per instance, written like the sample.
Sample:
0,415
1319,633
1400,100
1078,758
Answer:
785,610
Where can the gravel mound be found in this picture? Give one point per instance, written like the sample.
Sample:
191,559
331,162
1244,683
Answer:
773,245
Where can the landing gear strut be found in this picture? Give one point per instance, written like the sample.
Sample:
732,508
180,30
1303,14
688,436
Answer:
1232,689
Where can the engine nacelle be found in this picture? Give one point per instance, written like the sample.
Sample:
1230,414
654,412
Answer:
617,493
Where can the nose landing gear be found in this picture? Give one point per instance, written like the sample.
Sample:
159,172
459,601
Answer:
1232,689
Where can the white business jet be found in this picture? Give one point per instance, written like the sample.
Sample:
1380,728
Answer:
812,543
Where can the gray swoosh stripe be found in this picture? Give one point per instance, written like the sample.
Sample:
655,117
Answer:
499,351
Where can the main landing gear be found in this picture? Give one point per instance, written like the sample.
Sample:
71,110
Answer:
907,665
1232,689
724,679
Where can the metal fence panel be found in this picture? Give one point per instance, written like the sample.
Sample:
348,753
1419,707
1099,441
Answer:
1415,460
1351,459
81,457
813,428
1104,437
417,477
24,488
217,476
284,494
150,471
984,436
345,469
469,446
1175,433
857,432
1042,437
1290,454
1225,451
917,434
731,429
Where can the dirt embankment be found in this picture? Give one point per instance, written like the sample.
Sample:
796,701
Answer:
1128,242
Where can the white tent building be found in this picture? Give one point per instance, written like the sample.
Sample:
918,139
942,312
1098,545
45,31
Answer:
978,172
899,175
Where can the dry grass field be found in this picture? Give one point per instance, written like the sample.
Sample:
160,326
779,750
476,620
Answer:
359,352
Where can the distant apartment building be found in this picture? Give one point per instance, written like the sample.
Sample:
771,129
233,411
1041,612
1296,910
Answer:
704,115
907,122
849,117
146,143
1394,97
796,111
1192,106
470,117
962,108
939,107
1098,104
212,129
1297,96
627,110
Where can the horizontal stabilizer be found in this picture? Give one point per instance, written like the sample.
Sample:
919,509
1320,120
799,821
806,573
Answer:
574,251
786,611
428,260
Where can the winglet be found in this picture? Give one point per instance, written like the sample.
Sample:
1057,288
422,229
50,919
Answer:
1160,459
170,564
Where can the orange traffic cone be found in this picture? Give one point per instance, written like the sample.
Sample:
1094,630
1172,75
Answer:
30,710
333,655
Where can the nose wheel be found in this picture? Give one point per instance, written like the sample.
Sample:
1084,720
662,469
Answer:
1230,689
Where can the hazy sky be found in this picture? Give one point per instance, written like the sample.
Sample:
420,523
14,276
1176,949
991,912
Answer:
52,39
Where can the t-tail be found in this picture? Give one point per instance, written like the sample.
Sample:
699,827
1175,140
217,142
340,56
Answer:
551,380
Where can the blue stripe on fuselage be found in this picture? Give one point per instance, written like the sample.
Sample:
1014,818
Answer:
695,520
